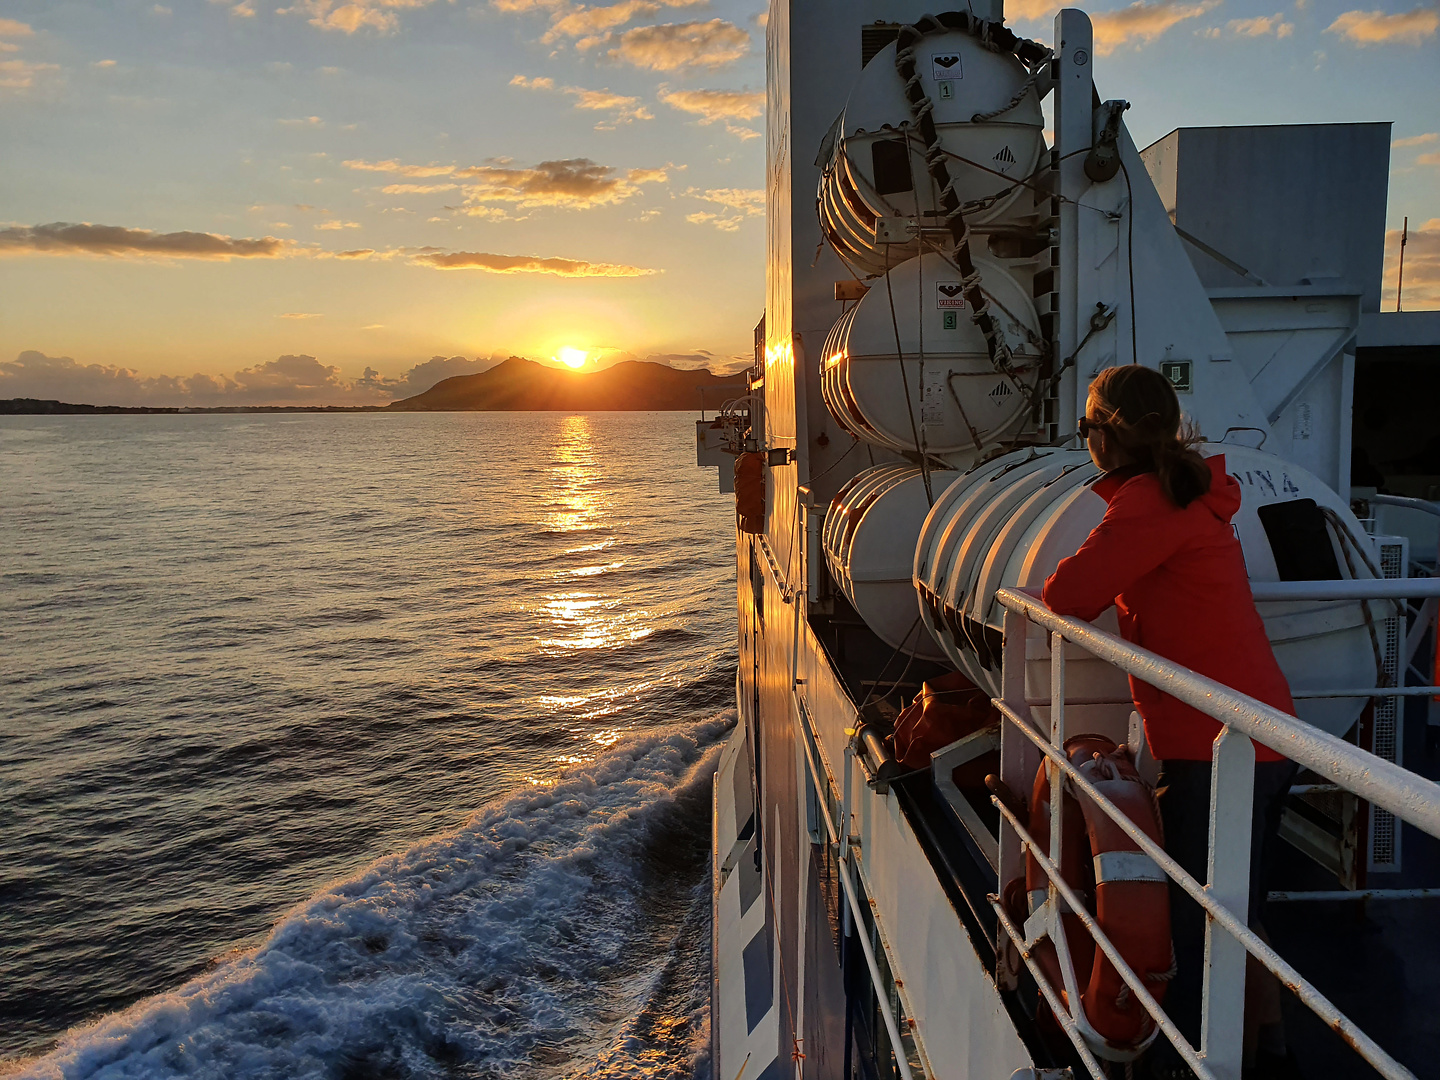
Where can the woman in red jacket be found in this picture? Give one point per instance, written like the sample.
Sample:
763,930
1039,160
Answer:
1167,557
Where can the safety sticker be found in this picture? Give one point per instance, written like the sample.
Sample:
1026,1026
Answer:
950,320
932,404
1001,395
946,66
949,294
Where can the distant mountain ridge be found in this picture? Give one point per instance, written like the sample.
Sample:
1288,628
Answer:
519,385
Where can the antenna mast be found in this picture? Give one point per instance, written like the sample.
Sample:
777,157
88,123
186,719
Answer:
1400,285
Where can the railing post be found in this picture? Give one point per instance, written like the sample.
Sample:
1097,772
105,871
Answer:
1014,751
1222,1013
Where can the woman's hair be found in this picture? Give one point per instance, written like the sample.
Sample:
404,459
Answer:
1139,407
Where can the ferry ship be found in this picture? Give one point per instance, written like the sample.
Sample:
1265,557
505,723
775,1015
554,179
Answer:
961,234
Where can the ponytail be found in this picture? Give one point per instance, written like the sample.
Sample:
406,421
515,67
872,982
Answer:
1139,406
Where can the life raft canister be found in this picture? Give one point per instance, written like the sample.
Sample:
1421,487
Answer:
1128,894
750,492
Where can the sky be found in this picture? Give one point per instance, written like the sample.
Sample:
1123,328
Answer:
212,202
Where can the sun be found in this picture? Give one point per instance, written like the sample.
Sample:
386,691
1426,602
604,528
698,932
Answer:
572,357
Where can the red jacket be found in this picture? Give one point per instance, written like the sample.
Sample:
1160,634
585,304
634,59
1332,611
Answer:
1178,581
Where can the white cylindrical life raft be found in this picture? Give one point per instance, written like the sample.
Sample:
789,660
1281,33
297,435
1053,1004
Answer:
877,167
870,531
1011,521
939,389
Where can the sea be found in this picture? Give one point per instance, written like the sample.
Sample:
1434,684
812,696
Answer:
359,746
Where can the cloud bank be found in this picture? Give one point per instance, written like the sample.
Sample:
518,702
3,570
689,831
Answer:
65,238
526,264
286,380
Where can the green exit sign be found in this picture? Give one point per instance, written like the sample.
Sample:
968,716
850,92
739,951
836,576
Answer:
1180,373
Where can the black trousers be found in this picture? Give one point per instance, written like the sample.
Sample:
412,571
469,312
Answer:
1185,814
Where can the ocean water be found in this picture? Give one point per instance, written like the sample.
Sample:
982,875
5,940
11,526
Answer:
358,745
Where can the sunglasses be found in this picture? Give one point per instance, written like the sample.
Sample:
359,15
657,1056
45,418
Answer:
1087,426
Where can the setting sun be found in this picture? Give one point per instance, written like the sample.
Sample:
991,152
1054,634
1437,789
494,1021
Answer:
572,357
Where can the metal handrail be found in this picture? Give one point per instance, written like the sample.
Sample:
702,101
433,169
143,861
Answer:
1381,783
1346,589
1425,506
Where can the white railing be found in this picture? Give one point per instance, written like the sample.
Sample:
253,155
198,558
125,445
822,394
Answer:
1227,937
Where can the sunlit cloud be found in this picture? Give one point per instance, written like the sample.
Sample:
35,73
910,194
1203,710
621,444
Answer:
66,238
21,74
302,315
586,22
417,189
724,106
738,203
674,46
348,18
1415,140
331,226
1422,266
1259,26
526,264
572,183
713,105
242,10
302,121
14,28
393,166
1379,28
1143,22
624,108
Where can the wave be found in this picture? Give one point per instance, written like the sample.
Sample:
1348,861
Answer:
560,931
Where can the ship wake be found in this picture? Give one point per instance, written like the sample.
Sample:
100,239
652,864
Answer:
560,932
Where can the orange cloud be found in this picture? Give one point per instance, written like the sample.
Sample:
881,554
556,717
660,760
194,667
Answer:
739,203
417,189
573,183
526,264
587,22
676,46
625,108
351,17
1378,28
1416,140
65,238
393,166
1262,26
719,105
1143,22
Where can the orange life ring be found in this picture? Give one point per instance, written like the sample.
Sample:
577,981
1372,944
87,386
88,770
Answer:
1127,893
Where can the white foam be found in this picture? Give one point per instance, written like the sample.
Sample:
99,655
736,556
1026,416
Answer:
524,941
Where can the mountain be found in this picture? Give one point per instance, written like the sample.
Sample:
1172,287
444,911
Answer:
519,385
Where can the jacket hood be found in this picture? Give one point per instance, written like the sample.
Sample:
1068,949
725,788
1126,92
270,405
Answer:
1223,498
